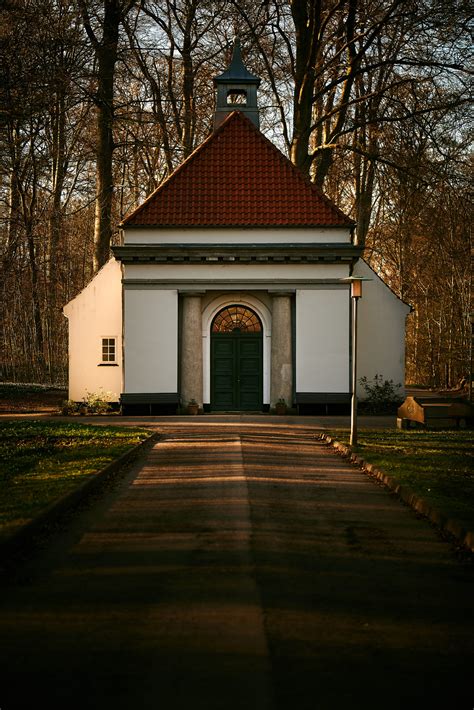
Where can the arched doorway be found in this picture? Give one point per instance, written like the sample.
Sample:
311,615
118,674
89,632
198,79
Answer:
236,360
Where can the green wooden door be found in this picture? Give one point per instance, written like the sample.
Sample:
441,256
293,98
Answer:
236,371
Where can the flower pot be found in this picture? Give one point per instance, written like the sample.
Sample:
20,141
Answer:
280,408
193,408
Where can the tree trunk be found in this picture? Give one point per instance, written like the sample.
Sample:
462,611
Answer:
106,50
306,51
106,54
188,86
14,201
58,175
37,321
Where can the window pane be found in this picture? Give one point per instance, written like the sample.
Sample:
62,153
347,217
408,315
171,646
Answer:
108,349
236,318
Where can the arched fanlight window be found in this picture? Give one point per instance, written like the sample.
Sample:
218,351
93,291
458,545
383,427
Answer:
236,318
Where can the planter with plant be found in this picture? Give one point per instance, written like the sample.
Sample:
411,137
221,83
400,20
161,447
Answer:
193,407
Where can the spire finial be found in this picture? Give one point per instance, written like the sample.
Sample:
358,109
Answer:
236,89
236,52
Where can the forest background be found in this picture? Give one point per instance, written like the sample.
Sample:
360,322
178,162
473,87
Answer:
102,99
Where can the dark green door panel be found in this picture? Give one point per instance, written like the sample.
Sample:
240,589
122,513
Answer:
250,372
223,372
236,371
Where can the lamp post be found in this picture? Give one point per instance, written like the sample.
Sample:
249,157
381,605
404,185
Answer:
356,293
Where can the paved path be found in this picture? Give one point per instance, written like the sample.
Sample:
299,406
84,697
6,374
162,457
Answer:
237,568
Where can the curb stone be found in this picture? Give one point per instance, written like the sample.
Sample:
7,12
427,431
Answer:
420,505
49,515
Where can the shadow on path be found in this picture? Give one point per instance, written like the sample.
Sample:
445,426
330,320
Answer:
244,567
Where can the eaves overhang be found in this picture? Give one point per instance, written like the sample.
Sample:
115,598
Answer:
328,253
214,226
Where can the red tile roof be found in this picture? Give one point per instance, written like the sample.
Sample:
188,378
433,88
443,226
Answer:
237,178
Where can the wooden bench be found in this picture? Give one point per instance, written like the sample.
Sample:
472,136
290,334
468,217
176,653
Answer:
435,412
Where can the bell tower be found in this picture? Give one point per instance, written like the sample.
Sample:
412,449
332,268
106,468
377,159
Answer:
236,90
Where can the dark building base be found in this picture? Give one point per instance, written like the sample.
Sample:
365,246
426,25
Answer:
323,410
323,403
149,403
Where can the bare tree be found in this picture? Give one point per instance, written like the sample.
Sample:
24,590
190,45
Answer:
367,97
43,117
348,61
102,25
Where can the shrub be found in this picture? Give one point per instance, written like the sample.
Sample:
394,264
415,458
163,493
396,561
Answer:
97,402
382,396
69,407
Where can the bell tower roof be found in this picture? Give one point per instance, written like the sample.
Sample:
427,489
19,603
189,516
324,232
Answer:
236,90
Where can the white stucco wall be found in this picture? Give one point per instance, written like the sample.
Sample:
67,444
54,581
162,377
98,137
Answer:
236,236
94,314
322,340
381,331
275,275
151,341
151,326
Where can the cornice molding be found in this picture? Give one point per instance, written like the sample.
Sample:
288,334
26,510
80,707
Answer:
237,253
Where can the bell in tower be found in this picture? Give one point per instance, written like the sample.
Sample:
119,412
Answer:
236,90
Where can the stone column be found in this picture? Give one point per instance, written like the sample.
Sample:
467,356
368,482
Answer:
281,385
191,349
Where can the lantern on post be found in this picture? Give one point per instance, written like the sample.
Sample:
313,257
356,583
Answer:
356,293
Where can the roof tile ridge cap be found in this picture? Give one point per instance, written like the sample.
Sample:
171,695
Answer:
318,190
329,202
296,170
163,185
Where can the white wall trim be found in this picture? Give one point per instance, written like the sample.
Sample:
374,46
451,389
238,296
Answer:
236,235
208,314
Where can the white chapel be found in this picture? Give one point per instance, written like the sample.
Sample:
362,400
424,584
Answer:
228,288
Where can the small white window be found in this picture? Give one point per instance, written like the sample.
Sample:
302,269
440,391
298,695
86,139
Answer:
109,350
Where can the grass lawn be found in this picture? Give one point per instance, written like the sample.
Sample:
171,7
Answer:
437,465
41,461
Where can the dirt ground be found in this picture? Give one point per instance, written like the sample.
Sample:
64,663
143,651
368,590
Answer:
22,400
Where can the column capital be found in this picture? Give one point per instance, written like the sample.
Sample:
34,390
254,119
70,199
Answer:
276,293
191,293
